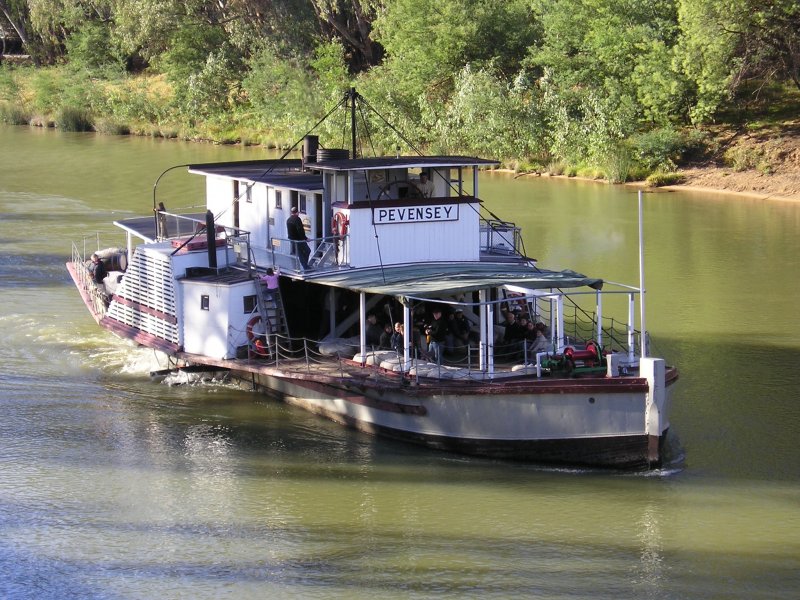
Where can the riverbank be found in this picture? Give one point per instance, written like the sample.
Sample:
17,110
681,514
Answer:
756,162
763,163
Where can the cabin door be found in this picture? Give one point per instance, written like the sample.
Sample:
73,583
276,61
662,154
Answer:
319,217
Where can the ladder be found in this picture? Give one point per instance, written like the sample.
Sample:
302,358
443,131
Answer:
323,254
270,309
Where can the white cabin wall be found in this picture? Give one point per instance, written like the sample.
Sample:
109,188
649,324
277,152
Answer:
218,331
413,242
205,331
253,214
219,199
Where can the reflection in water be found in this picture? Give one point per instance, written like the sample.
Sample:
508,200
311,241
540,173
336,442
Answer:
650,572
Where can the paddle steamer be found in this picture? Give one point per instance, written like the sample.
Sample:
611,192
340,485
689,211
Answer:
383,241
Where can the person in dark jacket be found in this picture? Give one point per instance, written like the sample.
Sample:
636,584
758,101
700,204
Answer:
97,269
437,331
297,233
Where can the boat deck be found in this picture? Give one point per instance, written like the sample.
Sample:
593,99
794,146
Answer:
445,378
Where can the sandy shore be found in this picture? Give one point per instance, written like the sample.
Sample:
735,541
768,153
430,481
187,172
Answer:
717,181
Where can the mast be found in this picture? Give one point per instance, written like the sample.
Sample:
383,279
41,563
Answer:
353,96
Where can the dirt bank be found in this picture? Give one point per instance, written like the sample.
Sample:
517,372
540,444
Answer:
763,163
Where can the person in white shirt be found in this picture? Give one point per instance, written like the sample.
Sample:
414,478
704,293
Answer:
425,185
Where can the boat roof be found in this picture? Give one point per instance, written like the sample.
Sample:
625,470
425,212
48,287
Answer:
285,173
289,173
402,162
431,280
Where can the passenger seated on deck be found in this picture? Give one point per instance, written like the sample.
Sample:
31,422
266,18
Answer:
538,344
545,329
97,269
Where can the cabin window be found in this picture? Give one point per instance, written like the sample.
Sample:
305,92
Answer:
302,206
295,198
204,302
278,199
249,304
248,193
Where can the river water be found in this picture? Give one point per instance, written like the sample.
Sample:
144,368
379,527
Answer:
113,485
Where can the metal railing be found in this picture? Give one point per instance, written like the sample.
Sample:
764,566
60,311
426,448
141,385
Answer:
500,237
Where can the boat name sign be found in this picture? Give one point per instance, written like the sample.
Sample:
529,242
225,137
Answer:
415,214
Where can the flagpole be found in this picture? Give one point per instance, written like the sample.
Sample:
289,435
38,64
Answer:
643,328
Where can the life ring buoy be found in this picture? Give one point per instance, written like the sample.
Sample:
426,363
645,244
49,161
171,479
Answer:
249,329
339,224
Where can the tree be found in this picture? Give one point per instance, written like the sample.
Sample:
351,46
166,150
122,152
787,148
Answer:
615,40
351,23
429,43
17,14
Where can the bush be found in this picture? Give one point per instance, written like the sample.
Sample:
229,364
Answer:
618,164
660,178
659,149
11,114
70,118
90,49
111,127
46,90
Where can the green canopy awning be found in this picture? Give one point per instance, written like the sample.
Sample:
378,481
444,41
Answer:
431,280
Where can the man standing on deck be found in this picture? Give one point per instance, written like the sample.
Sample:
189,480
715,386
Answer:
437,331
297,233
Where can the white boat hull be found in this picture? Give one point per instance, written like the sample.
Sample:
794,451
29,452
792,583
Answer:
591,422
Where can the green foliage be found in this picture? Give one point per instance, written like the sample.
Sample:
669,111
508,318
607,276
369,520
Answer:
618,163
11,114
209,91
189,49
584,125
706,52
743,157
487,116
111,127
659,178
659,148
137,100
427,46
46,87
330,68
70,118
605,84
90,49
282,93
9,87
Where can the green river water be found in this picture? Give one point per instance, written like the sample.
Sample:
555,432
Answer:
113,485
